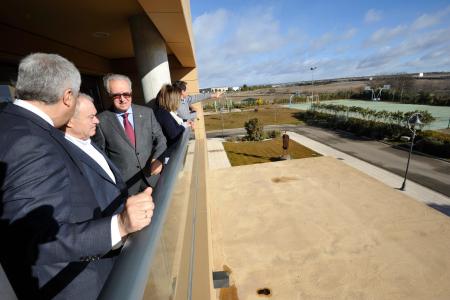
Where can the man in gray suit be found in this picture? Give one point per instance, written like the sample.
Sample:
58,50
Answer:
130,136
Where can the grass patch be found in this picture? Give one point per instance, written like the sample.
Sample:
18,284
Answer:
267,115
247,153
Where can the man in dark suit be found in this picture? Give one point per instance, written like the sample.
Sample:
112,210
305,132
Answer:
103,176
130,136
55,238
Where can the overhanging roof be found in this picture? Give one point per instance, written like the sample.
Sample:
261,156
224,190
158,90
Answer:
81,24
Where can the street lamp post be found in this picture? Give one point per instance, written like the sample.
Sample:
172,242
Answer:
221,108
312,82
413,122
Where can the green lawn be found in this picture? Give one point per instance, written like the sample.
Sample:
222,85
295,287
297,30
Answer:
247,153
268,116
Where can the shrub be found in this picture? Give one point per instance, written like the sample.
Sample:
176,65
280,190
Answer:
254,130
436,136
430,142
271,134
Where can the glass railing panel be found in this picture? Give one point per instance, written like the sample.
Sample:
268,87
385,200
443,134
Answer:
165,269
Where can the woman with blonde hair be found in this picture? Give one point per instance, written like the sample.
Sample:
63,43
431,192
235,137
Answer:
167,103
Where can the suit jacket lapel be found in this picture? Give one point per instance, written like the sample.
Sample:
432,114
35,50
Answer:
119,181
138,124
117,127
92,164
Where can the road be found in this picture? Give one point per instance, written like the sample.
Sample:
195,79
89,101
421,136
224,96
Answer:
430,172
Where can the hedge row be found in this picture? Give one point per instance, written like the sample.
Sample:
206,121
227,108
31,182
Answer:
430,142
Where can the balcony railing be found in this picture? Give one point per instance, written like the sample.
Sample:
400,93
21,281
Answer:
129,277
159,261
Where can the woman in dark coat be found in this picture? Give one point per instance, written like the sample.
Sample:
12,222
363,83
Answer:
167,103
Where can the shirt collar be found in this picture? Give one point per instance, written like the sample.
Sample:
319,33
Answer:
129,111
77,140
177,118
34,109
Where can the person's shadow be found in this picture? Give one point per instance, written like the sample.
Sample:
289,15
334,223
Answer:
19,250
21,242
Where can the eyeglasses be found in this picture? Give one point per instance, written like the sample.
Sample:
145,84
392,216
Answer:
118,96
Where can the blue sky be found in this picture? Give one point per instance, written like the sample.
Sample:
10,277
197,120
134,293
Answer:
275,41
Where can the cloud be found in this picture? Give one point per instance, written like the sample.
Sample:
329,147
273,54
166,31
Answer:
384,35
414,45
372,16
425,21
350,33
256,32
326,39
231,55
331,40
429,20
436,60
252,46
208,26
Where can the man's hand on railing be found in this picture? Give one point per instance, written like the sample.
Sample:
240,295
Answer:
137,214
191,124
156,167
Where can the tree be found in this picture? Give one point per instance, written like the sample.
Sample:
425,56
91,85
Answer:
255,130
402,82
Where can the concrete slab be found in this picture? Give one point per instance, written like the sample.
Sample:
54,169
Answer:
217,157
414,190
319,229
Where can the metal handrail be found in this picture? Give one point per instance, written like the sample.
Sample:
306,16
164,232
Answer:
130,273
6,290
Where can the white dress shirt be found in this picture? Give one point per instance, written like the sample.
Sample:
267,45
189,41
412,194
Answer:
178,119
116,240
86,147
93,153
119,116
34,109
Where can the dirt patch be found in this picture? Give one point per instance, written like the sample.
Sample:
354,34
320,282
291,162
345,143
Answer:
283,179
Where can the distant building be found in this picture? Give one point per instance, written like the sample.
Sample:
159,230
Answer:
219,89
236,88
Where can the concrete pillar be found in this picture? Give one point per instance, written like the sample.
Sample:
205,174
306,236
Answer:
151,55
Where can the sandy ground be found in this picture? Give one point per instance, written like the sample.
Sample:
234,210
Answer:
318,229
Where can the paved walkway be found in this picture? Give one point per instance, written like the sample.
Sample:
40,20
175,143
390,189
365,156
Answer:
218,159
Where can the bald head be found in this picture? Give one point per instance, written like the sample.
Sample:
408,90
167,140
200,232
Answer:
84,121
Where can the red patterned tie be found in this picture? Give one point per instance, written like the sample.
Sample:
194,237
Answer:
128,129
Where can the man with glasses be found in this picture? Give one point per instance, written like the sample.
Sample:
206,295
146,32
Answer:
130,136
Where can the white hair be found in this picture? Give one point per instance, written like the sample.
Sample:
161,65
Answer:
45,77
85,96
107,78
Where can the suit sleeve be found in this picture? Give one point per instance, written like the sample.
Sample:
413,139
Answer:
199,98
38,206
159,140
